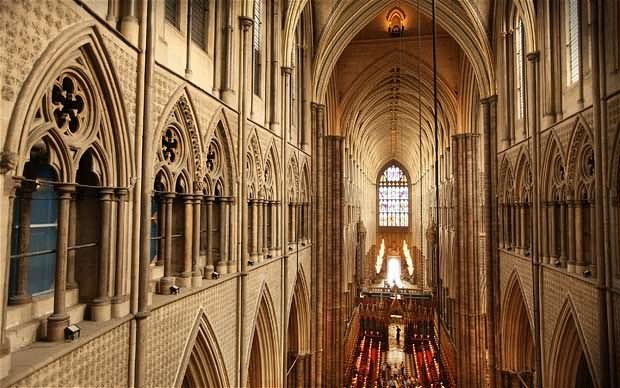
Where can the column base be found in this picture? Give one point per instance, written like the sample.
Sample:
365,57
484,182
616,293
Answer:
120,306
100,311
196,280
228,96
221,267
72,286
231,266
208,272
185,280
56,327
20,299
5,364
580,268
570,267
164,285
130,28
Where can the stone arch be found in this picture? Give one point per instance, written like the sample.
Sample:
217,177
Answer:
581,139
554,167
271,171
516,328
177,141
293,183
523,173
298,332
219,136
506,179
506,10
568,351
75,60
202,364
254,165
263,361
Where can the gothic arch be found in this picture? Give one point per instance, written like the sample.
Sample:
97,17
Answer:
293,183
516,328
300,303
580,161
77,63
523,173
219,157
506,13
263,360
506,179
254,165
202,364
271,172
177,142
554,169
568,351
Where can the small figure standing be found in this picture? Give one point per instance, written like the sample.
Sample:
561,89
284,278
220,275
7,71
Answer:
398,334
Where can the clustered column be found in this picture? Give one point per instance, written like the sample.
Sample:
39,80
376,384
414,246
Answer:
21,293
119,298
167,280
209,267
100,308
196,273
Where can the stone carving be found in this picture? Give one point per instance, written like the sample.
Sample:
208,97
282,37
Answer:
69,106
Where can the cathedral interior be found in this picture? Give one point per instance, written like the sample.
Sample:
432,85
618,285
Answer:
310,193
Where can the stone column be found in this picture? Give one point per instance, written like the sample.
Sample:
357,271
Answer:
545,229
523,226
119,307
230,249
579,243
471,319
592,261
59,319
21,295
161,249
101,310
196,274
209,268
167,280
185,280
260,232
562,227
254,237
222,266
71,282
571,236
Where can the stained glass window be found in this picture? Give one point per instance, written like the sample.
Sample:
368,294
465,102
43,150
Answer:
393,197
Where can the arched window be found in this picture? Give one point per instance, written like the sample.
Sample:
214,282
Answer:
393,196
518,69
257,45
572,31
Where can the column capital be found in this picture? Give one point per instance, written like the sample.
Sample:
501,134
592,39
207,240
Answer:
286,70
121,193
492,99
209,198
169,196
533,56
65,189
246,22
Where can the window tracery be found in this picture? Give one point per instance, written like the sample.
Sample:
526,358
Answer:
393,193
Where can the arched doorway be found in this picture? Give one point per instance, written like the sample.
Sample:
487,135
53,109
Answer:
569,364
263,370
517,339
204,366
298,335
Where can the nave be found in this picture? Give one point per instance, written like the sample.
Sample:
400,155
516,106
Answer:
396,346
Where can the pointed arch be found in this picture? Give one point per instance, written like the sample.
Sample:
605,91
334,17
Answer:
220,165
554,167
255,164
299,312
178,135
568,351
581,137
516,328
202,364
506,178
75,60
523,175
272,167
263,360
292,191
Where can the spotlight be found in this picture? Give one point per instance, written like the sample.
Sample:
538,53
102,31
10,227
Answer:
215,275
250,262
174,290
72,333
587,273
557,263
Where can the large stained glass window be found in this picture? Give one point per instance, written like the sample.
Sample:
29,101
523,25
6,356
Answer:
393,197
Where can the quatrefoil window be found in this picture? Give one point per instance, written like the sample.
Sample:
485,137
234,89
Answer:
68,101
169,145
